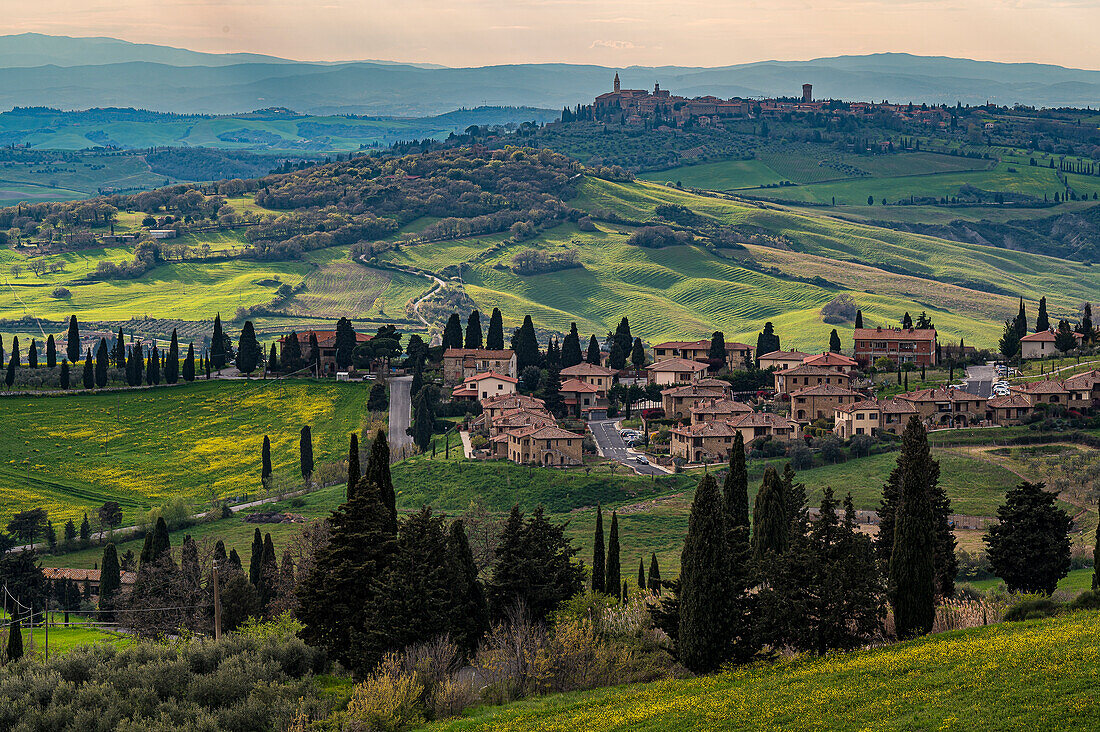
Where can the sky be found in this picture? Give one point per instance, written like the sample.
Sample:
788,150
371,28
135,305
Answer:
605,32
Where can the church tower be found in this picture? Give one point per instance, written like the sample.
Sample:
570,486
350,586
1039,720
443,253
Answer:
616,83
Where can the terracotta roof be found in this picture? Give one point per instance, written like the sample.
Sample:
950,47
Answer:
693,390
807,370
1048,386
887,406
587,369
551,432
505,401
577,386
490,375
825,390
82,575
1086,380
761,419
477,353
829,359
1009,401
677,364
721,428
721,406
894,334
704,343
926,395
783,356
1043,336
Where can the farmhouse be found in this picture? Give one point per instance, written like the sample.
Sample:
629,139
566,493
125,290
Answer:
326,342
1041,344
484,385
87,579
900,345
582,398
737,354
1050,391
460,364
951,407
494,407
1084,389
675,371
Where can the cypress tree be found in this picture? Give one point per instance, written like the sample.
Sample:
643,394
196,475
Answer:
217,344
9,375
834,342
770,523
101,364
273,360
423,418
1021,321
859,319
469,609
15,351
172,362
161,544
599,566
592,356
1029,545
32,355
153,369
72,340
305,453
1096,559
637,355
51,352
377,473
571,348
265,463
314,354
345,342
110,578
766,341
15,640
641,573
526,345
622,337
654,583
494,338
911,575
292,353
353,465
735,490
1087,331
64,381
452,332
703,637
255,561
798,515
88,376
235,560
118,353
473,330
1042,320
219,554
1,350
269,573
86,530
189,363
249,351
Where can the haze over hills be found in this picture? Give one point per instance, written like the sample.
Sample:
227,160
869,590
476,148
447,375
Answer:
79,73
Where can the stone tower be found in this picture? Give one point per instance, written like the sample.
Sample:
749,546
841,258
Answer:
807,92
616,83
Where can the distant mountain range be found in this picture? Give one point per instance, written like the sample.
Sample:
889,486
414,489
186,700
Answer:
80,73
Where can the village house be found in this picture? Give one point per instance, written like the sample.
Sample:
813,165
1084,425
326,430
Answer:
837,362
738,355
782,360
460,364
1041,345
818,402
946,407
549,445
597,376
872,416
712,441
714,410
326,343
484,385
494,407
514,419
87,579
675,371
900,345
678,401
1009,409
583,399
1050,391
1084,389
800,377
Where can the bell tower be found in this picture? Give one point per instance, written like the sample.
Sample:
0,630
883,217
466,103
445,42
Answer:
616,83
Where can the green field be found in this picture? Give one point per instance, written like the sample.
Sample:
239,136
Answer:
197,441
1038,675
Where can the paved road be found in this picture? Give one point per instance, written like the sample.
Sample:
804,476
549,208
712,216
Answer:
400,416
979,380
611,446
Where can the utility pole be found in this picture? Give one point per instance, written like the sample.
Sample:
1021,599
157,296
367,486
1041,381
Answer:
217,605
47,656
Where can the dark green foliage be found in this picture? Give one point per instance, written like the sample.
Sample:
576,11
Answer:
469,609
249,351
641,574
86,530
859,319
377,473
161,545
26,526
1033,609
1042,320
234,560
592,355
20,573
72,340
118,352
912,579
797,506
617,358
1029,546
834,341
1086,329
717,350
255,561
473,330
353,465
240,598
273,360
172,363
452,332
87,376
735,490
190,571
1096,559
654,583
305,453
69,532
51,352
110,578
534,567
622,338
51,536
189,363
32,355
526,345
614,572
494,338
314,354
1009,344
825,592
265,462
770,522
599,566
65,379
345,342
292,353
571,348
767,341
15,640
1064,339
378,400
269,574
1020,321
423,417
9,375
637,354
218,352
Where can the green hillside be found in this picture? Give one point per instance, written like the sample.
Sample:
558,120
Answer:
1038,675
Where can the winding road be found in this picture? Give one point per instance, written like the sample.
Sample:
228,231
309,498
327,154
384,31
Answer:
400,415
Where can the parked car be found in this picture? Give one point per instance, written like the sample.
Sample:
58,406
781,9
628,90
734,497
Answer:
641,460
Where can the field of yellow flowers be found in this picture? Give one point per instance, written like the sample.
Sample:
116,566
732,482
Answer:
1038,675
69,454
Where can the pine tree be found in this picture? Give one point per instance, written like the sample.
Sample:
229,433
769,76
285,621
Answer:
526,345
571,348
265,464
614,578
1029,545
1042,321
88,375
592,355
834,342
599,566
249,351
377,473
189,363
110,580
912,576
473,330
770,522
1009,344
469,610
452,332
51,352
494,339
353,466
217,344
72,340
255,562
305,453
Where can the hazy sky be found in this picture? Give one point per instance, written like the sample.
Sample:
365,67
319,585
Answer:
607,32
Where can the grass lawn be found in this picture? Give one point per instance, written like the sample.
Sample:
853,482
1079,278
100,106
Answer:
1074,583
64,639
1039,675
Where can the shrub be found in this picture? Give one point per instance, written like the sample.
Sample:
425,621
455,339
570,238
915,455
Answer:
1032,607
534,261
655,237
388,701
61,293
1086,601
840,309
